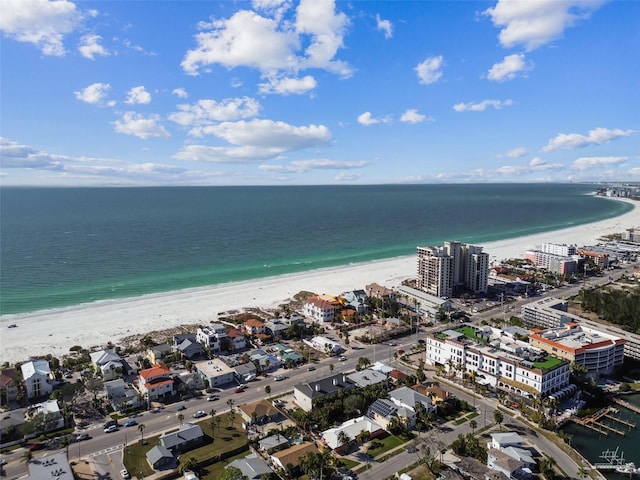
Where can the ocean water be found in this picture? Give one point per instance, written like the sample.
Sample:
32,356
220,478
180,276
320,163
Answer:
66,246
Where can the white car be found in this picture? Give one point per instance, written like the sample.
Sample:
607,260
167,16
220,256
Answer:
112,428
280,378
199,414
124,473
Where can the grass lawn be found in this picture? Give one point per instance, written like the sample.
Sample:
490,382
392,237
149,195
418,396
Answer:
381,445
215,443
550,362
348,463
213,472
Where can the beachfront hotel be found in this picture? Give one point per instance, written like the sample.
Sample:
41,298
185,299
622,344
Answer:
497,360
454,266
552,313
600,353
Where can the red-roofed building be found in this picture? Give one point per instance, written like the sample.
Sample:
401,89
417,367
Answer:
237,339
156,382
397,375
321,309
253,326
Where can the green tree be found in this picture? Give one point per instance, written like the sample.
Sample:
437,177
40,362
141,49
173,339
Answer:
181,418
498,417
267,390
231,473
141,428
188,465
473,424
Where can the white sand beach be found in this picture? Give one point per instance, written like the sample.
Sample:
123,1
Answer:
55,331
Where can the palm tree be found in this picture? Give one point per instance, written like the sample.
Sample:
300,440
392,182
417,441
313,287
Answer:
582,472
27,456
473,424
141,428
232,412
267,390
547,467
189,465
180,418
343,440
65,442
498,417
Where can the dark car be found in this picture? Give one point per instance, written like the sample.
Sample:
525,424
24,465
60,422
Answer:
180,407
83,436
36,446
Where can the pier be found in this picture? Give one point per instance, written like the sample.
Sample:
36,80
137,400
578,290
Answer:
594,422
616,463
625,404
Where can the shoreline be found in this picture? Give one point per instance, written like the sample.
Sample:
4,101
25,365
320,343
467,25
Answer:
54,331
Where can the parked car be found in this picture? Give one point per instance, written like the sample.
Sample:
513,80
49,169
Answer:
212,398
279,378
240,389
36,446
2,461
110,429
199,414
342,358
82,437
311,368
124,473
180,408
130,423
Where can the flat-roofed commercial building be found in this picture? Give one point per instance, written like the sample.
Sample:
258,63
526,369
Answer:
599,352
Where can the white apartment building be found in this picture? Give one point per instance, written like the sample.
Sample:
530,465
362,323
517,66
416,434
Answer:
601,353
564,265
552,313
455,265
321,308
561,249
210,338
38,379
520,371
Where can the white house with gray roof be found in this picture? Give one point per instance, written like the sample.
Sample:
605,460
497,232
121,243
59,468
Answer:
37,378
251,466
305,394
188,436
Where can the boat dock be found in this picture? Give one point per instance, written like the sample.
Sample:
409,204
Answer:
594,422
613,461
625,404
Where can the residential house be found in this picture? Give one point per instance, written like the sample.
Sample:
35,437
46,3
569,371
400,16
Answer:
377,291
357,300
215,371
245,371
156,382
291,456
187,345
276,328
508,466
273,443
511,443
265,360
321,308
161,458
288,356
260,412
237,340
433,391
11,420
351,428
367,377
122,396
157,353
397,376
9,385
254,326
385,412
408,398
252,467
49,412
306,394
209,337
108,363
187,437
38,380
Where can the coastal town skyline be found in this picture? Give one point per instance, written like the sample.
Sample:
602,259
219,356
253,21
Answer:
275,92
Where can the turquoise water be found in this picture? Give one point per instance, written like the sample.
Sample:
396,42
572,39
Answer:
66,246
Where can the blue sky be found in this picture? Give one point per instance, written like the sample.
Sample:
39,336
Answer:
277,92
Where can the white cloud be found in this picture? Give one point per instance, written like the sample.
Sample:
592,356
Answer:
180,92
482,106
412,116
273,45
301,166
536,162
286,86
634,171
367,119
206,112
509,68
238,155
385,26
138,96
269,134
94,93
514,153
596,136
430,70
536,23
510,170
140,126
585,163
90,47
40,22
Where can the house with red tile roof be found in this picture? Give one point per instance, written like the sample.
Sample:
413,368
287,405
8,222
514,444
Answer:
321,308
156,382
254,326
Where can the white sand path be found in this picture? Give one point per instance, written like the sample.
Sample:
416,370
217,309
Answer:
94,324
